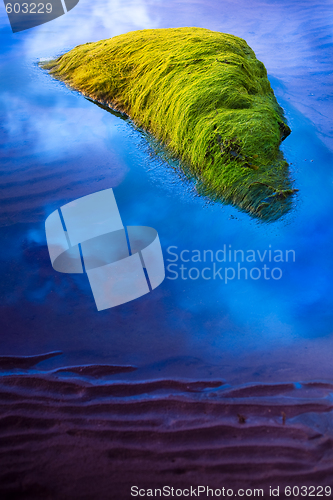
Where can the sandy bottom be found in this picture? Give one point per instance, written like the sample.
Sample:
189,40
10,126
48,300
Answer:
72,433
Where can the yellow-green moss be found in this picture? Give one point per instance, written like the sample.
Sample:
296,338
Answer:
204,95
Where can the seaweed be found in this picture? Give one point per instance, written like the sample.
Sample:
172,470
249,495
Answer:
204,95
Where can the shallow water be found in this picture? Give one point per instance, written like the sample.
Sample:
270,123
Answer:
58,146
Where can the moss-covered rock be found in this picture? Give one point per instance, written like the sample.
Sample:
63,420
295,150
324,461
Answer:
206,96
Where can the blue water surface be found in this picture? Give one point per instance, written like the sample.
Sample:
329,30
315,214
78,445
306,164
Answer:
57,146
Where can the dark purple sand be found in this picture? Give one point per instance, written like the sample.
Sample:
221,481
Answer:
87,438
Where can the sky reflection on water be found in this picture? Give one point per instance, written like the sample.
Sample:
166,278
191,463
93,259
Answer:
57,146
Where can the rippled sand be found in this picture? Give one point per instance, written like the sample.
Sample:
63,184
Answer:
84,436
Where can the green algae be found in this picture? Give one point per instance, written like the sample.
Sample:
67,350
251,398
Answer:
204,95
